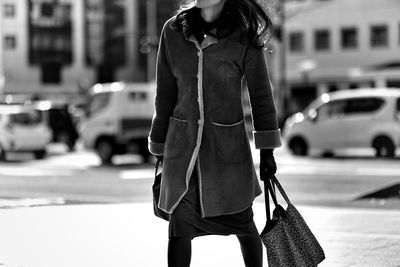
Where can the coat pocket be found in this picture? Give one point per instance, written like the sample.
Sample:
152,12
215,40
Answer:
176,140
231,142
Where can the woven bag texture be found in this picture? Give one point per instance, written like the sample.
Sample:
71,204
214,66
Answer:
288,239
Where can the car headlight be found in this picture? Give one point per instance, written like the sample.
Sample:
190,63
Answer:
298,117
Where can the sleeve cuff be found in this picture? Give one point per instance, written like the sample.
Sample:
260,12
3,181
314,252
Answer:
267,139
156,149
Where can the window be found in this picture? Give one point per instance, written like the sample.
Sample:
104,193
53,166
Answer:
137,96
393,83
9,10
322,40
333,87
349,38
339,108
379,36
332,110
51,72
98,103
398,104
24,118
296,42
47,9
363,105
10,42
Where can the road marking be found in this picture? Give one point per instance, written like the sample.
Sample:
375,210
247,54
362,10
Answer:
33,172
137,174
289,170
380,172
29,202
359,171
9,265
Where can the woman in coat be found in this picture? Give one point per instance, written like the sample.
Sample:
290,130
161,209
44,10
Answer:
207,52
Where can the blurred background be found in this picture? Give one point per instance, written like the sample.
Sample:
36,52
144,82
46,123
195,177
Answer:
77,91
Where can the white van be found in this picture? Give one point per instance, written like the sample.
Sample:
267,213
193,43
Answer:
359,118
119,119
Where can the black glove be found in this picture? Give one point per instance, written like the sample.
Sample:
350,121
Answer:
267,164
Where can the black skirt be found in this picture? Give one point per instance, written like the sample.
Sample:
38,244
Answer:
186,220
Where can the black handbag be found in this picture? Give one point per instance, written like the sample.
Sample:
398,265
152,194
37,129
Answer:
156,194
286,236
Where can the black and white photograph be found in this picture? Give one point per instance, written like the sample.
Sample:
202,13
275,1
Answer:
192,133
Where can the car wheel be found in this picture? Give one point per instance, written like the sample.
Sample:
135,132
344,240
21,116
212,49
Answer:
298,146
105,150
71,146
384,147
144,151
39,154
2,154
328,154
66,139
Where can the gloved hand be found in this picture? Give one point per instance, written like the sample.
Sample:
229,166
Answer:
267,164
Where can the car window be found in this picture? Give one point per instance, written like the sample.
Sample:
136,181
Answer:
99,102
363,105
398,104
25,118
332,110
138,96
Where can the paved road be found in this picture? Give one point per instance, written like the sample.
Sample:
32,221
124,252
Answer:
128,234
79,177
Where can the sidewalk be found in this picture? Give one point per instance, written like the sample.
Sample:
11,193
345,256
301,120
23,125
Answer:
128,235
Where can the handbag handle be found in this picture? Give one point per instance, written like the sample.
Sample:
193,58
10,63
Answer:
157,165
280,188
269,190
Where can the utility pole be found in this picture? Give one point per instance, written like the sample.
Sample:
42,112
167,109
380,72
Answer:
151,31
283,88
2,78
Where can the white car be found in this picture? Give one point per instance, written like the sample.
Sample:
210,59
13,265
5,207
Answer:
22,130
359,118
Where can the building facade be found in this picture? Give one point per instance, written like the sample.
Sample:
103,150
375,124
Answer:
339,44
61,47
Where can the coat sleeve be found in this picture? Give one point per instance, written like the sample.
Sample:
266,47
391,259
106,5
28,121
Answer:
165,100
267,133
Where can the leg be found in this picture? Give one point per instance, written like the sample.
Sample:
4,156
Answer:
251,247
179,251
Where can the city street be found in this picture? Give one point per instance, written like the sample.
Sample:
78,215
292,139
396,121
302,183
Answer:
77,75
78,177
39,230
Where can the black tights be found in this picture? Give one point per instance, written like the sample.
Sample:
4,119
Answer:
252,251
180,251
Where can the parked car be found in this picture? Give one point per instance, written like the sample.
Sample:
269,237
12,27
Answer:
60,120
22,130
118,119
359,118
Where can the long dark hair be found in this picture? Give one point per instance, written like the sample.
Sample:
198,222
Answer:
247,14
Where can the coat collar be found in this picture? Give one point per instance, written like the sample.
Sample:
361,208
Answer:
211,39
208,40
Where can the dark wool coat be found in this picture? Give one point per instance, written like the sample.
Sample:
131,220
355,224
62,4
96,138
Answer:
199,122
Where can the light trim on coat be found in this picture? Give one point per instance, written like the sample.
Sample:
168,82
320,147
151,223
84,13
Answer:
267,139
209,40
156,149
